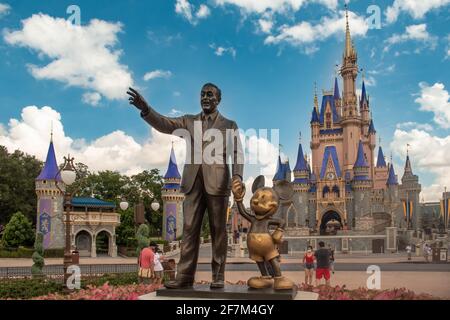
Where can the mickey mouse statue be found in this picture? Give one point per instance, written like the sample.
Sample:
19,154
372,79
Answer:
260,242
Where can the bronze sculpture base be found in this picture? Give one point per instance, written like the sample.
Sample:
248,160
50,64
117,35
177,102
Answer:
233,292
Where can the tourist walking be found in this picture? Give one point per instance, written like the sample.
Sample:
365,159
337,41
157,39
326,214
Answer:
322,256
159,269
408,251
308,263
146,265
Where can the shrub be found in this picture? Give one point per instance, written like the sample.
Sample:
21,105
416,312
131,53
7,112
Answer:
18,232
28,288
23,252
38,256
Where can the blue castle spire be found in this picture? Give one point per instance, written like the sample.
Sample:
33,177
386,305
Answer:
301,163
336,89
315,116
363,94
360,159
392,178
372,127
381,163
281,170
50,169
172,178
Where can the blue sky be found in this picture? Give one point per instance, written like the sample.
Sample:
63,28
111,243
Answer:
264,55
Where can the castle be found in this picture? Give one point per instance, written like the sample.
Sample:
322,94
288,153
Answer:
342,186
343,194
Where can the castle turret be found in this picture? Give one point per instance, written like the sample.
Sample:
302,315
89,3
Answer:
337,97
50,220
301,187
361,185
381,171
410,192
351,121
172,201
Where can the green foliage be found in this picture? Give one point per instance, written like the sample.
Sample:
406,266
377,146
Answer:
205,226
38,256
18,232
142,236
18,172
125,232
23,252
28,288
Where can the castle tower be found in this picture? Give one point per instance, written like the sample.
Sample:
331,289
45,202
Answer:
337,98
351,121
301,187
372,138
361,185
364,109
410,191
50,211
172,201
392,196
381,171
315,134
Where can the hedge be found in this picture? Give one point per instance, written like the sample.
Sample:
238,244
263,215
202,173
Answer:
27,288
23,252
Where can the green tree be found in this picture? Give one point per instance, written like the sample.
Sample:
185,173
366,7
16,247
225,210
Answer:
18,232
38,256
142,236
126,232
18,172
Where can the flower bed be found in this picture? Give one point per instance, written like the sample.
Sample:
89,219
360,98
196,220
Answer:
133,291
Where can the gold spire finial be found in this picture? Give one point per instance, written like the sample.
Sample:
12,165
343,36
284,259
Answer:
407,149
348,39
300,137
51,131
316,101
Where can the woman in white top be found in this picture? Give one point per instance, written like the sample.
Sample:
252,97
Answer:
158,268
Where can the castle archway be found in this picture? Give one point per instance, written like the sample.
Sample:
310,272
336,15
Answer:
331,222
83,243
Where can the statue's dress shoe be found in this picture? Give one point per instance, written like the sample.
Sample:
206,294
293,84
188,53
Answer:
217,284
282,283
178,284
260,282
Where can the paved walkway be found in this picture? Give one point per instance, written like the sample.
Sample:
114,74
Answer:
434,283
340,258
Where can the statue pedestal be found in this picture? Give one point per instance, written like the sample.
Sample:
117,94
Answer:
230,292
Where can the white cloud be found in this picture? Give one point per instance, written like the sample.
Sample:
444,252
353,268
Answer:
370,81
92,98
4,9
280,6
220,51
435,99
265,25
305,33
416,8
417,32
187,10
157,74
114,151
175,113
414,125
81,56
428,153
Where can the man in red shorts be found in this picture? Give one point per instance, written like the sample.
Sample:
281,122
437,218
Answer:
323,263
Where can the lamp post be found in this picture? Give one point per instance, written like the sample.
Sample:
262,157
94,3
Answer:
155,204
68,176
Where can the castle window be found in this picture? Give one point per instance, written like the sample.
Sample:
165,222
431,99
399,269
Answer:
328,118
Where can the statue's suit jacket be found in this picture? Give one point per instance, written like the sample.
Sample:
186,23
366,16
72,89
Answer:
216,176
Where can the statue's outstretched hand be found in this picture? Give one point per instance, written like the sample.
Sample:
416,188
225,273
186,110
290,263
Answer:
137,100
238,189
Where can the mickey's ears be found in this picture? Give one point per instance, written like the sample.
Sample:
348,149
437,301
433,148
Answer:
258,183
284,189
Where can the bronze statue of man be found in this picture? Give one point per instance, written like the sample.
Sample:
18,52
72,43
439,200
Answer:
206,185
